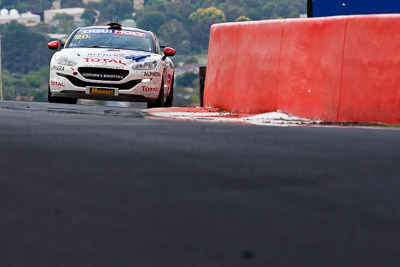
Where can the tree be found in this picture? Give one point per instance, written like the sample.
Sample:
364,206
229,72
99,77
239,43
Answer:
71,3
283,9
242,18
42,28
8,89
232,12
187,79
63,16
152,21
173,15
44,72
40,96
191,59
26,5
155,2
109,11
35,5
34,79
202,20
89,16
183,8
20,56
176,35
65,22
211,13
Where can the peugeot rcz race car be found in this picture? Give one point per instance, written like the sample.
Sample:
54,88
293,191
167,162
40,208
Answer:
111,63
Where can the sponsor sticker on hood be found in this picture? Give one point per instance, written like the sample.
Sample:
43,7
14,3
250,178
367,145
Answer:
135,56
109,31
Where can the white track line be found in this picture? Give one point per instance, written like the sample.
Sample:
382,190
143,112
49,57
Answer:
267,119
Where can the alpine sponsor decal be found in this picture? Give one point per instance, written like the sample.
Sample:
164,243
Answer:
119,53
112,67
152,74
58,84
149,89
58,68
104,60
108,31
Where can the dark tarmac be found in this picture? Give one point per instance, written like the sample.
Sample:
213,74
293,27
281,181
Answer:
104,186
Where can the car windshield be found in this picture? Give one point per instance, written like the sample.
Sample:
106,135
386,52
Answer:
110,38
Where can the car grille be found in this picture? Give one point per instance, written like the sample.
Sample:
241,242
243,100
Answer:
79,83
103,74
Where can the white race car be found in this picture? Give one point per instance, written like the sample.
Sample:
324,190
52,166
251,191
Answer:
111,63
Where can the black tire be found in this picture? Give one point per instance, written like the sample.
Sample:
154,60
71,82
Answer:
60,100
170,99
160,100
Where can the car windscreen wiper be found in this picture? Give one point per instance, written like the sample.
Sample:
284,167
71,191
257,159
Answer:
98,46
93,46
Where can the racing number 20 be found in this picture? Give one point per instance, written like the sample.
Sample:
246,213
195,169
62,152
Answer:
79,36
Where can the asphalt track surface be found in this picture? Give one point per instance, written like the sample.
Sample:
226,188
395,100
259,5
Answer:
104,186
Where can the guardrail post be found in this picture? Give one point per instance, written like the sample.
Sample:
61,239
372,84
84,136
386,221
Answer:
202,80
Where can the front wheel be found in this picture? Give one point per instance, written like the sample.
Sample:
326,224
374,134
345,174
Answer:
160,100
60,100
170,99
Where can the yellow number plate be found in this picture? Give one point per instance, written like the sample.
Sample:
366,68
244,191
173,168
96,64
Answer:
101,91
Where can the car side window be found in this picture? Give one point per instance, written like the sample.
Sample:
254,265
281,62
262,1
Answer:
157,45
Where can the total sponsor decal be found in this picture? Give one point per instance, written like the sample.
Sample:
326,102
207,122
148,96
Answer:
58,84
152,74
104,60
108,31
57,68
149,89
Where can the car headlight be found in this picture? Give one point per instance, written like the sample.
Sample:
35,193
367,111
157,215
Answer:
147,65
65,61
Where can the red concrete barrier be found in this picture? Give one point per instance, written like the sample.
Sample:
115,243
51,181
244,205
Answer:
310,67
237,67
253,77
335,69
224,43
371,70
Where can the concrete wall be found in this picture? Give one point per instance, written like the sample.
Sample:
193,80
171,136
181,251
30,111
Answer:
337,68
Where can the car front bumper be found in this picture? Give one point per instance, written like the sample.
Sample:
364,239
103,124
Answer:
133,88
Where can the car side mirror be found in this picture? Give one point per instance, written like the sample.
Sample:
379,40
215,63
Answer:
169,52
54,45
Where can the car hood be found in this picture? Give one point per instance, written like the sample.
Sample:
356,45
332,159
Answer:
102,57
